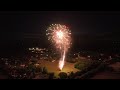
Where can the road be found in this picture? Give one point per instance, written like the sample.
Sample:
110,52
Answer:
109,74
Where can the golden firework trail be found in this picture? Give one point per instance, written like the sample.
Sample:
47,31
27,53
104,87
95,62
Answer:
60,35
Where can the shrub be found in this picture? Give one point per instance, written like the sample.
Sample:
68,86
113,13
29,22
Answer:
71,60
51,75
40,69
87,65
63,75
71,75
44,70
79,65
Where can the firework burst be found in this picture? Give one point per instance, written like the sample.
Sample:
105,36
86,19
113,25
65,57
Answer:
60,36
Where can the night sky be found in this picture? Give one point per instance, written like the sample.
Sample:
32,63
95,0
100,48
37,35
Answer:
89,28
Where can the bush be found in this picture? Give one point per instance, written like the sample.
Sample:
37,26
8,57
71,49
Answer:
30,67
71,75
79,65
51,75
40,69
63,75
115,60
87,65
72,60
45,70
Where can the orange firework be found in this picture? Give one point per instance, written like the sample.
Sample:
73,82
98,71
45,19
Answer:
60,36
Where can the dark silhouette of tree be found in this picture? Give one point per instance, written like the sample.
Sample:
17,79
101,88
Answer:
71,75
45,70
40,69
63,75
51,75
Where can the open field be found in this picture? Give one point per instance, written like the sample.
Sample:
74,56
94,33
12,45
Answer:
53,67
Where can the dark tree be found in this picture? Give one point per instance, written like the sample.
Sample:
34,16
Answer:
63,75
40,69
71,75
45,70
51,75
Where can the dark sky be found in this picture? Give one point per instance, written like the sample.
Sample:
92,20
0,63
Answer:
79,21
87,25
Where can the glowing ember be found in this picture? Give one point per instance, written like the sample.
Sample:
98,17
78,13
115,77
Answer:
60,36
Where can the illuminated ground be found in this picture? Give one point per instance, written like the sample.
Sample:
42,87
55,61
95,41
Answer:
53,67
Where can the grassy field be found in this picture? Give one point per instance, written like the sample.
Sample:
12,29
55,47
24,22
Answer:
53,67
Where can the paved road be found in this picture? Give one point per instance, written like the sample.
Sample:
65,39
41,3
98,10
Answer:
108,74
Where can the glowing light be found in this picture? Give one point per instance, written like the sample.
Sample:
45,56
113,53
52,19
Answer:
60,36
61,62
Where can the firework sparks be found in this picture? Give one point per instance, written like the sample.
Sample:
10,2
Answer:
62,61
60,36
